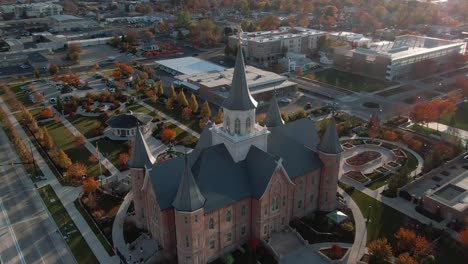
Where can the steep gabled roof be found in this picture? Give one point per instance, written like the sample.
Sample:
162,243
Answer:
239,94
260,168
205,137
273,115
141,155
302,131
331,141
188,197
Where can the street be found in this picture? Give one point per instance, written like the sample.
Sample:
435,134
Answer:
27,232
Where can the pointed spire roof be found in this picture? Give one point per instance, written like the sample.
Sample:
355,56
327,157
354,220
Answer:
330,141
205,137
239,95
188,197
141,155
273,115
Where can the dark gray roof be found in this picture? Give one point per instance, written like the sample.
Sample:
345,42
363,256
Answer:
36,57
302,131
222,181
273,115
239,95
297,158
205,137
188,197
331,141
129,120
141,155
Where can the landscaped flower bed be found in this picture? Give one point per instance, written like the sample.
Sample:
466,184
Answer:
382,170
374,175
399,153
348,145
393,164
335,252
372,142
363,158
356,175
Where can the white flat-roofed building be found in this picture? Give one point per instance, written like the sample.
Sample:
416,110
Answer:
215,86
268,46
395,60
188,65
61,23
31,10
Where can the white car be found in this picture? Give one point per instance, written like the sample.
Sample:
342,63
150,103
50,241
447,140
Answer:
285,100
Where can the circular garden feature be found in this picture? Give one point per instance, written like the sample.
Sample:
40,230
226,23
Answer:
371,105
363,158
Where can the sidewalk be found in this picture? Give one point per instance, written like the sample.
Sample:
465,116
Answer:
117,227
360,237
104,161
448,129
66,194
170,119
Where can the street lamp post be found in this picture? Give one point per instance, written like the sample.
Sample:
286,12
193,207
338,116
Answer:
368,214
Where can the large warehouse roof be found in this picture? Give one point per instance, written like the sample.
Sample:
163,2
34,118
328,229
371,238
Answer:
190,65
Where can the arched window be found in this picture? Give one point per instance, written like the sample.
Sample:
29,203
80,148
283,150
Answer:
301,185
243,210
228,216
248,125
211,224
227,124
237,126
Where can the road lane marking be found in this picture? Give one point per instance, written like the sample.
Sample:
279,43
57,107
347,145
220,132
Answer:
12,232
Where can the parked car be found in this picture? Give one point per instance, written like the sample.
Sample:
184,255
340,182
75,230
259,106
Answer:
25,66
104,79
98,76
308,105
285,100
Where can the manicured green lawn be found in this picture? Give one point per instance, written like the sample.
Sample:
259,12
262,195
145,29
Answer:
78,245
64,139
350,81
112,149
385,221
177,115
461,118
86,125
425,130
136,108
379,183
182,135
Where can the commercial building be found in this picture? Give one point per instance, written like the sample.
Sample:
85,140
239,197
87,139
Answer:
30,10
395,60
62,23
449,200
268,46
187,65
243,181
215,87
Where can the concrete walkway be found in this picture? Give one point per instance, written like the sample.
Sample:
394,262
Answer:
66,194
117,227
448,129
170,119
104,161
360,237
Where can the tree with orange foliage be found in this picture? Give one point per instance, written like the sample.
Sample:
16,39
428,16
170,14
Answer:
90,185
123,159
379,250
63,160
168,135
405,258
406,239
47,113
92,158
269,22
463,235
77,170
373,126
390,135
38,97
423,113
444,107
421,248
79,141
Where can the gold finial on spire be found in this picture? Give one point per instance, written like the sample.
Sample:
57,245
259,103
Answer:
239,34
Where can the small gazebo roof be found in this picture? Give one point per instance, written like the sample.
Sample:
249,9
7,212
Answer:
129,120
337,216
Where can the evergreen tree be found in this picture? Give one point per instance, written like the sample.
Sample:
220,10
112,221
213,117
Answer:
160,90
59,104
182,99
193,103
206,110
173,94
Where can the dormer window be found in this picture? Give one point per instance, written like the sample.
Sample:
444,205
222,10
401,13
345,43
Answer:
227,124
237,126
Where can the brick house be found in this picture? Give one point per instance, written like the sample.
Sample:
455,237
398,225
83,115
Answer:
242,181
